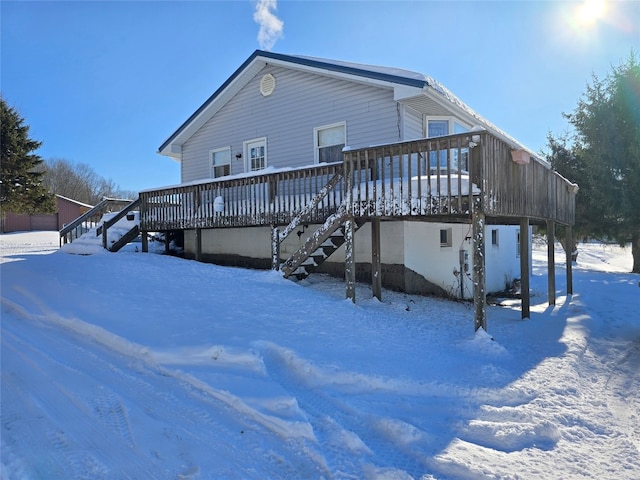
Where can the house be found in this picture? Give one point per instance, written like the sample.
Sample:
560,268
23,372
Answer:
380,174
67,210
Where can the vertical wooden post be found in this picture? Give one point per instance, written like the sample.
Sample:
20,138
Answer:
166,242
144,236
104,237
569,253
376,264
198,232
551,261
349,230
349,259
524,268
275,248
479,275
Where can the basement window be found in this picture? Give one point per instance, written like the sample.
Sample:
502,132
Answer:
445,237
495,237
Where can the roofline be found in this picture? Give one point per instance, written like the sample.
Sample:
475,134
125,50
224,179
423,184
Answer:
303,61
82,204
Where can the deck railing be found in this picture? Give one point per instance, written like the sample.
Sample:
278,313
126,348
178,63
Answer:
428,177
445,177
262,199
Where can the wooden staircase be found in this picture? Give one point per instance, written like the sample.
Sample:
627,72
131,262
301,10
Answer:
127,237
318,247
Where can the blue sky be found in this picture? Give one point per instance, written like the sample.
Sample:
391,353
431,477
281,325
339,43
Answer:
106,82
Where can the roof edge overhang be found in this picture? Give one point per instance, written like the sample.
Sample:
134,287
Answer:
172,147
447,100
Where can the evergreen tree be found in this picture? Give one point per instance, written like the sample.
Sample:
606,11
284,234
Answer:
21,187
604,158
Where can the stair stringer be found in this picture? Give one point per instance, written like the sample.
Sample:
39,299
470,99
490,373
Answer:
126,238
318,247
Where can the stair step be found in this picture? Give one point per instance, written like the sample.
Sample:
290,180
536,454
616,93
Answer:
300,271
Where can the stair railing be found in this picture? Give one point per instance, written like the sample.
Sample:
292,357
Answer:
102,229
67,232
279,237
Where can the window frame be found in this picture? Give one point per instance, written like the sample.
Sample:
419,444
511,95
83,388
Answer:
449,237
247,159
495,237
212,165
451,125
316,135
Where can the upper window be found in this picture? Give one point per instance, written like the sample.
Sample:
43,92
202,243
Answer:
220,162
255,154
329,141
439,127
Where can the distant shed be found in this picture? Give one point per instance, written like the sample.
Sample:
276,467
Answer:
67,211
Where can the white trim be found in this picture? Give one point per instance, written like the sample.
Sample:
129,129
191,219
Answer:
449,118
245,152
316,156
211,166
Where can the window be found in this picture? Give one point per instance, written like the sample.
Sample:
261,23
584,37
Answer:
445,237
220,162
255,153
495,237
329,142
440,127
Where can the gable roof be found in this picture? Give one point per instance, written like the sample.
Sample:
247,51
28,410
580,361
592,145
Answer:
417,90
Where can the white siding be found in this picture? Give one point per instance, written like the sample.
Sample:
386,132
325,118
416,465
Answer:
300,102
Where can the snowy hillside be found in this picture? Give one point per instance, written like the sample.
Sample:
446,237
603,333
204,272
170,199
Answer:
142,366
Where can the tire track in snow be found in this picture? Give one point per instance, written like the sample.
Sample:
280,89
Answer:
354,443
183,408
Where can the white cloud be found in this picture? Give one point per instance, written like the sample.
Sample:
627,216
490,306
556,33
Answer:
271,27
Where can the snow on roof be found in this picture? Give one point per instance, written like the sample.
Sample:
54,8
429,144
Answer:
392,75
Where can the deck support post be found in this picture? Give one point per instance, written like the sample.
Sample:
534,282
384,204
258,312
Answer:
144,236
551,261
166,242
198,232
479,274
524,268
376,264
275,248
349,259
569,253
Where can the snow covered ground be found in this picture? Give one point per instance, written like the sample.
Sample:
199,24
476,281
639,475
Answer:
143,366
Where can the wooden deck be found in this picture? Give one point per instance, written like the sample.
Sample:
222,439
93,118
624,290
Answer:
475,178
473,172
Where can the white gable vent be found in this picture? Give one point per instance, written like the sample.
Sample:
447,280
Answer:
267,85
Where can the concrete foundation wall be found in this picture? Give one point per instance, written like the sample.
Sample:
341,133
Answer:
413,259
